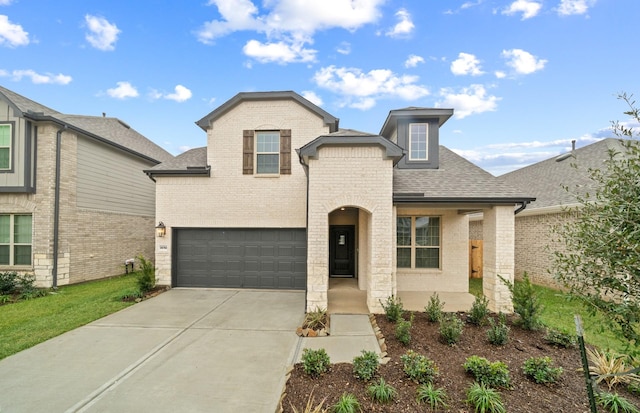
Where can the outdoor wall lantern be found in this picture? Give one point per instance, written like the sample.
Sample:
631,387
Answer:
161,230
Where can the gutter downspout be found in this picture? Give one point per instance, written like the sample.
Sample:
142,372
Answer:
521,208
56,208
306,172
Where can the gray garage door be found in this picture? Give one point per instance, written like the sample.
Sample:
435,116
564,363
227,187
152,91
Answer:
273,258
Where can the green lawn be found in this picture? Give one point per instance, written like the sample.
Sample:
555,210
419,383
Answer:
559,312
27,323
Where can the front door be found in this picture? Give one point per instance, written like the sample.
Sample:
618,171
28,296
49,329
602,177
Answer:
342,251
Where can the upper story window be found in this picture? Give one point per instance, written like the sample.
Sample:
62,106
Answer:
15,239
418,145
418,242
5,146
268,152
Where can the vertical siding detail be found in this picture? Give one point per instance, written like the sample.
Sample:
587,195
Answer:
247,152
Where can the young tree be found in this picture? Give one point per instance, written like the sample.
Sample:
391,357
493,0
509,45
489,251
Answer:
601,262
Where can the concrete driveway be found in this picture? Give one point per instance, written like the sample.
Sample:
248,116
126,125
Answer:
187,350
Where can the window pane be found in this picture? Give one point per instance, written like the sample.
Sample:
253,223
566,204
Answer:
268,142
5,135
418,141
427,257
22,229
22,255
5,221
4,255
403,231
404,257
428,231
5,161
268,164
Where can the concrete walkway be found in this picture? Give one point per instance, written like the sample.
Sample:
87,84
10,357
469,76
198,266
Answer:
183,351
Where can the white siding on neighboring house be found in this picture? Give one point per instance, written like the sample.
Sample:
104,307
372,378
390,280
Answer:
112,180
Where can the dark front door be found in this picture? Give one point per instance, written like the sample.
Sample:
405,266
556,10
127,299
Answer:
342,251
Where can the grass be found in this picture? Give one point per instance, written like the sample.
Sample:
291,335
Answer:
27,323
558,313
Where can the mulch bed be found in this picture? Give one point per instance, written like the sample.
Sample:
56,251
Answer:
568,395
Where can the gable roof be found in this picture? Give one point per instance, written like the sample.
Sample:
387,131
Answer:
329,119
111,131
413,112
545,179
191,162
351,137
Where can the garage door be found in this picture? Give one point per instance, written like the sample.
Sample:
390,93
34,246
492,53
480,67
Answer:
273,258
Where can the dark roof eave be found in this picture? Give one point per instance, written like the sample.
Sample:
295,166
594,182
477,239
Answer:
204,171
402,199
392,150
443,114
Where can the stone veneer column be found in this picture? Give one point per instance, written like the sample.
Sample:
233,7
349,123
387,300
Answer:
381,283
498,234
317,259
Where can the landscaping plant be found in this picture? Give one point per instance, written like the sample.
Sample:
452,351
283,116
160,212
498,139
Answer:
419,368
479,311
403,330
366,366
484,399
147,276
615,403
310,407
316,319
434,397
434,308
348,403
382,392
560,338
494,374
451,329
498,333
393,308
541,370
525,302
608,367
315,362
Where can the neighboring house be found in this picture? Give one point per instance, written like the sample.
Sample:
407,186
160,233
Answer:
74,202
546,180
281,197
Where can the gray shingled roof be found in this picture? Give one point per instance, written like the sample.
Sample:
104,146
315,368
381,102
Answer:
545,179
193,158
110,130
456,178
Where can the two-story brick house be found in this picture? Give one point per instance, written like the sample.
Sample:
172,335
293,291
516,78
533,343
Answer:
281,197
74,202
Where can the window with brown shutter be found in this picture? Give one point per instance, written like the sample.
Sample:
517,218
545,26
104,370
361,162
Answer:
247,152
263,149
285,152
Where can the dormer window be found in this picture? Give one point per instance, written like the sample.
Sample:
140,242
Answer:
418,139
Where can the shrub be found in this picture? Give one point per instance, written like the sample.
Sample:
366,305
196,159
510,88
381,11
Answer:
393,308
615,403
560,338
479,311
541,370
309,407
607,365
434,397
348,403
366,366
315,362
451,329
147,277
484,399
498,333
525,302
434,308
419,368
382,392
403,330
494,374
8,282
634,388
26,286
131,294
316,319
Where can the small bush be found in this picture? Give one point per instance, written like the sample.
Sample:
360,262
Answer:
147,277
525,302
403,330
8,282
560,338
494,374
498,333
607,364
315,362
316,319
366,366
435,397
484,399
382,392
393,308
419,368
615,403
434,308
479,311
348,403
541,370
451,329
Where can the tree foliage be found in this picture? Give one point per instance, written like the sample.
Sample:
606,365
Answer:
600,264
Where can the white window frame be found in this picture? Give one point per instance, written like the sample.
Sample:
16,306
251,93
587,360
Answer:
413,245
426,142
9,147
258,153
12,244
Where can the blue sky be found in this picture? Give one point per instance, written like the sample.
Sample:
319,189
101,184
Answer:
524,77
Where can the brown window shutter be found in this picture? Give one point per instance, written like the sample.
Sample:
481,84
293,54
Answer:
247,152
285,152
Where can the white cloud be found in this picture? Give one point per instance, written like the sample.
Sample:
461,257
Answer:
11,34
5,2
528,8
523,62
184,148
181,94
278,52
361,90
102,35
466,64
344,48
404,27
569,7
413,60
123,90
468,101
500,74
312,97
38,78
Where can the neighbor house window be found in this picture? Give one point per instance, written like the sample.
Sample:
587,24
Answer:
15,239
268,152
5,146
418,242
418,133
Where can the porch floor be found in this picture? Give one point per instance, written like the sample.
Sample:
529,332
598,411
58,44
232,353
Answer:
345,298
